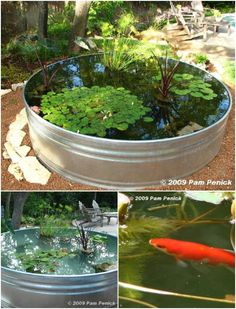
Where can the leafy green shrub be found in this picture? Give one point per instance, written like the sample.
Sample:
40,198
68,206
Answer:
107,29
229,71
59,31
126,24
13,74
93,110
200,58
26,48
21,48
102,11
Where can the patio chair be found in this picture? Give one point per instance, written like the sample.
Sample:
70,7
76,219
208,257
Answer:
190,22
89,215
195,24
102,214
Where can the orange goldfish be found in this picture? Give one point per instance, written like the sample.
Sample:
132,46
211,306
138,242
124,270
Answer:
186,250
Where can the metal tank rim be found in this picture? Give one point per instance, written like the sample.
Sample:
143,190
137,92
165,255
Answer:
14,271
142,142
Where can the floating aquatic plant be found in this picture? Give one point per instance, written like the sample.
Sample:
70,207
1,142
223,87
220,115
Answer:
180,84
42,261
93,110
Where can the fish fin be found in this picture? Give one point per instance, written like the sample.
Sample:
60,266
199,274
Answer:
181,263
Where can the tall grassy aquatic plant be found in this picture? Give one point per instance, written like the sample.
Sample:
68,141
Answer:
117,55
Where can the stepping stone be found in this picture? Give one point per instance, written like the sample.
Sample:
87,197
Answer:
18,85
12,153
15,170
23,150
20,122
5,91
15,137
33,171
6,155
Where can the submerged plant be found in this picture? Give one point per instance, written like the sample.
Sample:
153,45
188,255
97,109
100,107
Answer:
93,110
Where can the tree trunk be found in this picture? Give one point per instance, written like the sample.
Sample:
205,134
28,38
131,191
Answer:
43,19
80,21
19,202
23,14
7,208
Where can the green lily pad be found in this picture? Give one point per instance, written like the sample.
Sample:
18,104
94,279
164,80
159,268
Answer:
196,94
148,119
182,92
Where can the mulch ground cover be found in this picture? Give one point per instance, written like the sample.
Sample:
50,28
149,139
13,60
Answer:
220,168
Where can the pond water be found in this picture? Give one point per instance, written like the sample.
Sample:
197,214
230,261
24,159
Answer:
76,263
143,265
169,119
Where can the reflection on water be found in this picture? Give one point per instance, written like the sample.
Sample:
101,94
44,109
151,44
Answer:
169,119
197,221
29,241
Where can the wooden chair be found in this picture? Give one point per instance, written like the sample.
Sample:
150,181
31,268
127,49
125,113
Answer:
190,23
195,24
102,214
90,215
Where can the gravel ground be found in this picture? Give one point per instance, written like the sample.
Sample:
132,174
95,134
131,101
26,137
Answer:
221,168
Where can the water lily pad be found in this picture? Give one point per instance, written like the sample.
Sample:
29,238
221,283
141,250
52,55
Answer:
182,91
196,94
187,76
148,119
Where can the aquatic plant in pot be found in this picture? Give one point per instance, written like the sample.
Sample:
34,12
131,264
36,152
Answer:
127,137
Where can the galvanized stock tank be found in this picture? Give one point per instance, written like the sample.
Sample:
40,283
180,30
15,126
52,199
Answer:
32,290
123,164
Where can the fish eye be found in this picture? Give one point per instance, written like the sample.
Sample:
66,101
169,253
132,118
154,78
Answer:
160,246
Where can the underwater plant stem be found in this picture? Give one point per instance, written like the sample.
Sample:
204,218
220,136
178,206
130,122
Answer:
138,301
162,292
182,208
197,218
162,206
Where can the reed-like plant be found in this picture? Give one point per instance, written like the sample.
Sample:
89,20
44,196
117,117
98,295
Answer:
117,55
167,72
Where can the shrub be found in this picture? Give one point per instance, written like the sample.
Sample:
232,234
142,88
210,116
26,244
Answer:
12,74
107,29
102,11
200,58
125,24
93,110
51,226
